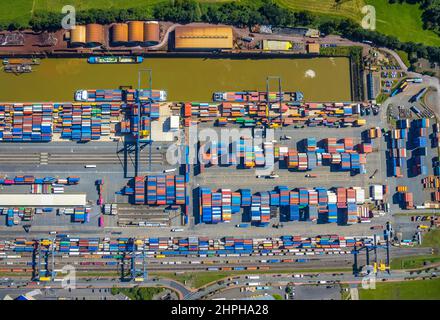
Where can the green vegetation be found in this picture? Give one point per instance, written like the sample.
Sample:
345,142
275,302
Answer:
404,21
413,262
432,239
381,98
341,51
345,292
409,290
15,14
138,293
277,296
404,56
56,5
347,9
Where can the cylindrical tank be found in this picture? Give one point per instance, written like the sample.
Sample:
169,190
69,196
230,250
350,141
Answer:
120,33
135,31
78,36
151,32
95,34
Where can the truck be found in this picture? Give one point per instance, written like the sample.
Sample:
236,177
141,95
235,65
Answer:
253,284
242,225
253,277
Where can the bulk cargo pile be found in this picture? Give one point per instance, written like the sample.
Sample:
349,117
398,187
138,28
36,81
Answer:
320,205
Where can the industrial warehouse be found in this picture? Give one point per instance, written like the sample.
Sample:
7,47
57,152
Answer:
258,158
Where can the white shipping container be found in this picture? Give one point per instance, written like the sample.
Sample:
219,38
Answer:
377,192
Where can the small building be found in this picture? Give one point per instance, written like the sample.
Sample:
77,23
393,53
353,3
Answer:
370,87
377,192
276,45
174,123
78,36
151,33
119,34
95,35
313,48
312,33
136,32
43,200
194,38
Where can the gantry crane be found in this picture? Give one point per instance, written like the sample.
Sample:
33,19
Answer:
138,104
45,257
280,100
132,256
372,248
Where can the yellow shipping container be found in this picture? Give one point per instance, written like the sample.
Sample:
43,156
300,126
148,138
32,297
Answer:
46,242
45,279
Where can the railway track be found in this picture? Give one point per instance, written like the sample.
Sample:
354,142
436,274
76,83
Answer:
346,264
75,158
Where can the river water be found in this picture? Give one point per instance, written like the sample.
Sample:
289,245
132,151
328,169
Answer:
185,79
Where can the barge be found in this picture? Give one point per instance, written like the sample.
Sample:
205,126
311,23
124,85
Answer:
115,60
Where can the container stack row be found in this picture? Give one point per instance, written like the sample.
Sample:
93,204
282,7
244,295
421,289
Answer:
26,122
255,96
85,122
247,114
28,179
161,190
218,206
104,95
343,205
139,190
250,156
420,134
398,152
111,248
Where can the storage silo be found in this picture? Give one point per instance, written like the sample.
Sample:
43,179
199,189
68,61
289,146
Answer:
135,32
120,34
95,35
78,36
151,33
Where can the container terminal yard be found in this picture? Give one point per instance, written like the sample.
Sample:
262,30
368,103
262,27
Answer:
124,182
